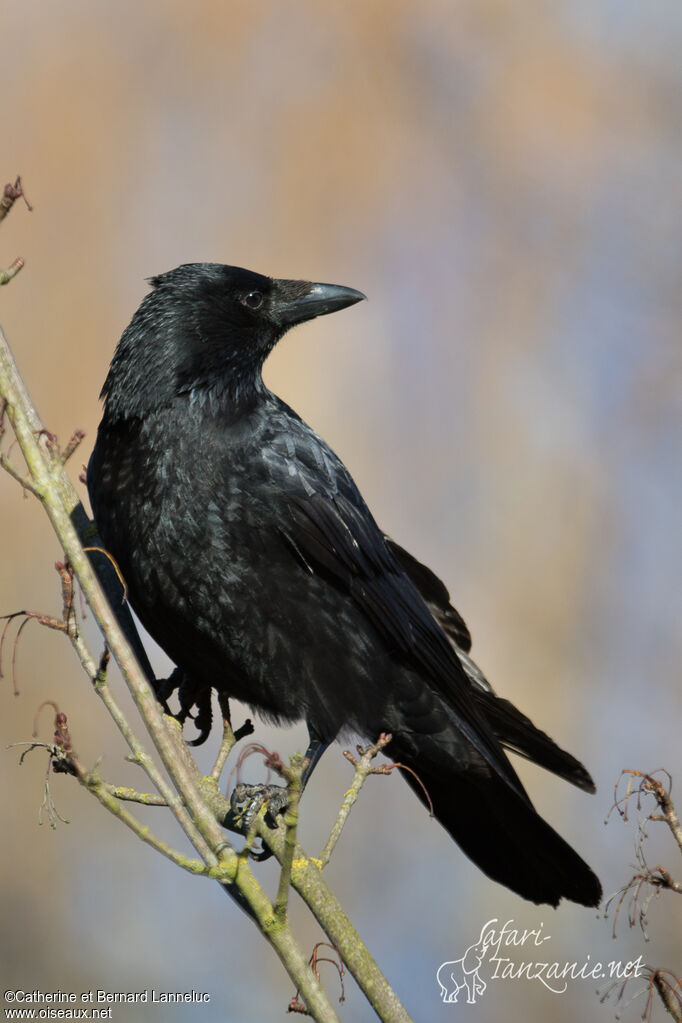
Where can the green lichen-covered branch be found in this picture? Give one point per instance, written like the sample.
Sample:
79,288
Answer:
307,880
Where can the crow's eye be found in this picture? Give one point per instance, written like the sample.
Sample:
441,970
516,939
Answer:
254,300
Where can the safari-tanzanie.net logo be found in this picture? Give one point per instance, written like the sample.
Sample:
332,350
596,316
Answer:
508,953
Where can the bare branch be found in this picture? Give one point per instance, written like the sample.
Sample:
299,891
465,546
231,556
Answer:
647,882
363,768
296,1005
669,989
648,785
293,775
76,437
105,794
230,738
12,270
10,195
25,481
660,982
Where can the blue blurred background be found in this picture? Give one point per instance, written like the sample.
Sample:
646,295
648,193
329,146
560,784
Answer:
503,181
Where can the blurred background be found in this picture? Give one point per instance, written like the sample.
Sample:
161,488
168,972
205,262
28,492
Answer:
503,181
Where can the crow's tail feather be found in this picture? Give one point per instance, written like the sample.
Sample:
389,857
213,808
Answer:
503,834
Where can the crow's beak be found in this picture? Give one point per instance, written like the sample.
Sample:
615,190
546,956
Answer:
301,300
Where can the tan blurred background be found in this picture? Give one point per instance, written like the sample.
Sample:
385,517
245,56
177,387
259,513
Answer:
503,181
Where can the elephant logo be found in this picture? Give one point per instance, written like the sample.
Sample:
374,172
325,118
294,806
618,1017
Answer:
464,973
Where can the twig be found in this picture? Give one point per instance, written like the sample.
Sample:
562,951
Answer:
227,744
47,620
76,437
129,795
293,775
228,740
638,785
114,564
669,993
660,982
12,270
10,195
296,1005
664,880
25,481
106,795
363,768
648,785
642,888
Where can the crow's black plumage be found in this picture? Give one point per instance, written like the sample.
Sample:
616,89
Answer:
252,559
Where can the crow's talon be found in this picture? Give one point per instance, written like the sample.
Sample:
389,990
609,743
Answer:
191,693
260,855
276,796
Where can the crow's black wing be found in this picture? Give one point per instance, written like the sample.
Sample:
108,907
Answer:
515,731
435,593
339,538
518,734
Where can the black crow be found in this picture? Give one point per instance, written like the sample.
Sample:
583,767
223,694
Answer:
252,559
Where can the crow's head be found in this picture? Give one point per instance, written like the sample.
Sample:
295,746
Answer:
205,330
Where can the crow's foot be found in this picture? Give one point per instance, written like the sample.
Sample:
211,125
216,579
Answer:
247,800
191,693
